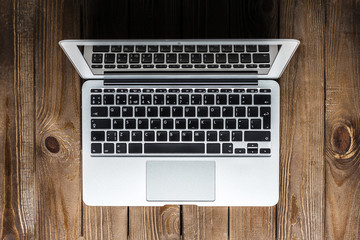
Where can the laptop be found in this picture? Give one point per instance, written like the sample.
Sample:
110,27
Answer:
180,121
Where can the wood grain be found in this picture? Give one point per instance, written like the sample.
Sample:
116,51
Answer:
300,211
342,60
58,169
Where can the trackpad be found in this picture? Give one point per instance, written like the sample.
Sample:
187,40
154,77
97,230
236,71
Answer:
180,181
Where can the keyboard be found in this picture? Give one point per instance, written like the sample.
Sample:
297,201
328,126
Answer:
199,120
177,56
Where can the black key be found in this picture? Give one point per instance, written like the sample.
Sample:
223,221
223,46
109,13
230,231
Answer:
100,48
95,99
213,66
265,112
174,136
145,99
118,123
99,111
177,48
251,66
209,99
96,90
230,123
214,48
148,66
116,48
253,111
177,111
228,111
140,48
133,99
148,90
146,58
183,99
108,148
122,66
159,58
170,99
239,150
186,136
193,123
224,136
155,124
97,58
111,136
173,148
165,48
171,58
238,66
245,58
153,48
211,136
127,111
246,99
121,58
109,66
161,136
174,90
196,99
257,136
143,123
135,148
96,66
189,48
227,148
214,111
199,136
128,48
252,145
233,58
180,123
108,99
226,90
251,48
121,148
135,90
109,58
261,58
124,136
96,148
236,136
161,66
263,48
265,150
239,48
164,111
149,136
134,58
255,124
114,111
213,148
239,90
195,58
189,111
218,124
205,124
239,111
221,58
202,112
97,136
186,90
264,65
100,123
252,150
263,99
199,66
202,48
184,58
209,58
139,111
168,124
252,90
234,99
226,48
225,66
120,99
213,90
136,136
158,99
243,124
130,123
221,99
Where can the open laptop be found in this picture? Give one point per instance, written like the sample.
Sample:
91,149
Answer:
180,121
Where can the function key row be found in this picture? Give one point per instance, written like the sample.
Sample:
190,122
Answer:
181,48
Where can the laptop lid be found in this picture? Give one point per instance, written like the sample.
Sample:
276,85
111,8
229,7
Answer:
74,49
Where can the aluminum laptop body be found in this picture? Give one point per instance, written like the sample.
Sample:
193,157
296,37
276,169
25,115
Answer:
151,178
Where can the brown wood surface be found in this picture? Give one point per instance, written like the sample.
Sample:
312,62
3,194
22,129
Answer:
40,146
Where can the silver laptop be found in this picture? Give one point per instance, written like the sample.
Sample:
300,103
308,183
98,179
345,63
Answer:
180,121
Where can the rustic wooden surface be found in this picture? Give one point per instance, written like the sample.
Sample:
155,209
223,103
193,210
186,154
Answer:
40,148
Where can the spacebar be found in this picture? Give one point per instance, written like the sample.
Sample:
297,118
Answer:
174,148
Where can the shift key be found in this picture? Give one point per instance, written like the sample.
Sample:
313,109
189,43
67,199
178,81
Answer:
257,136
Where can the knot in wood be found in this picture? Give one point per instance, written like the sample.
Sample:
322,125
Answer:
52,144
341,139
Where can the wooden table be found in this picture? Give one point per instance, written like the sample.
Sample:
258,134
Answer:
40,156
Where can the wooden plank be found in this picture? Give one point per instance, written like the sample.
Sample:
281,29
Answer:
58,169
154,222
342,120
17,120
300,211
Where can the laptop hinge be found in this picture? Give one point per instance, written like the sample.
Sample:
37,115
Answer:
213,81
